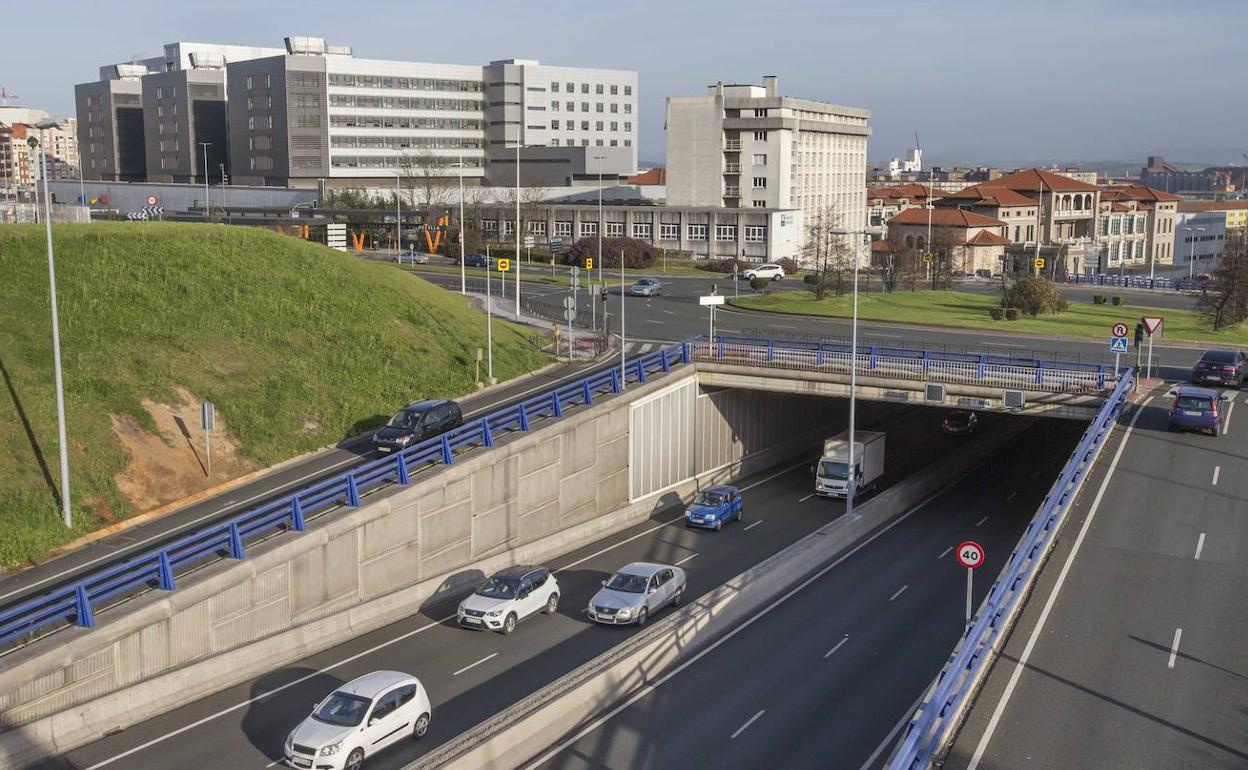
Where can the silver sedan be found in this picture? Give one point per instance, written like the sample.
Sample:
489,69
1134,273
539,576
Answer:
646,287
636,592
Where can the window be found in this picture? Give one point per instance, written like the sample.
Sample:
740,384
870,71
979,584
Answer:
760,159
628,142
571,88
669,231
760,204
598,107
584,88
760,183
598,89
695,232
489,225
268,82
615,107
563,229
509,227
643,230
584,106
615,90
584,125
628,125
598,125
554,142
571,106
554,125
554,106
615,143
725,232
756,233
615,229
615,126
760,136
588,229
628,109
598,142
554,86
628,90
760,112
569,124
538,227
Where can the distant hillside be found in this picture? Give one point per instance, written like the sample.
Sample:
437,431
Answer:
297,345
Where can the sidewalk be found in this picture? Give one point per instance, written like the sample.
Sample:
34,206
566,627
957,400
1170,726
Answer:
586,343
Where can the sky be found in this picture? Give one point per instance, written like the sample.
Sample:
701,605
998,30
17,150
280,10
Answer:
992,83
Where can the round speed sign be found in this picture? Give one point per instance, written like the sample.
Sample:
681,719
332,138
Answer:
970,554
152,200
1120,329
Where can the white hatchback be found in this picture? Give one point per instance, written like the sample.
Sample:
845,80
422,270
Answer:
359,719
768,271
508,597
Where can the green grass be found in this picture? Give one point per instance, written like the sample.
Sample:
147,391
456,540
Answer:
299,346
962,309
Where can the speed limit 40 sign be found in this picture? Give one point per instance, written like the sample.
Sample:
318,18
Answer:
970,554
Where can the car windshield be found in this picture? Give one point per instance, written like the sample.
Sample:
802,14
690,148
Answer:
1218,357
629,584
499,588
406,418
342,709
1195,402
712,499
959,418
833,469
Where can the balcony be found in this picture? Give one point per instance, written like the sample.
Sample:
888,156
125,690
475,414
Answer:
732,168
732,145
732,192
1072,214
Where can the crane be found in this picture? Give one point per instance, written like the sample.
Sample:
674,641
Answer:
5,96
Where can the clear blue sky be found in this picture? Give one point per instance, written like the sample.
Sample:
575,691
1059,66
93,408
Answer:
991,82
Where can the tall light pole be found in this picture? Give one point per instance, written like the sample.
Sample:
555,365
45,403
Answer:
1191,253
398,216
519,144
66,511
463,270
207,204
601,224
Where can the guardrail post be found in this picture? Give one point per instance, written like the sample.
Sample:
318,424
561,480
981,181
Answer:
1100,376
1039,372
165,572
236,541
588,392
926,361
982,362
641,372
615,381
353,491
719,348
297,522
82,609
448,456
400,468
524,417
556,404
685,356
871,362
663,357
818,354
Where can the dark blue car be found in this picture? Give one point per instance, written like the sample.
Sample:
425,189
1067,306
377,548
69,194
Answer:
713,506
476,260
1196,409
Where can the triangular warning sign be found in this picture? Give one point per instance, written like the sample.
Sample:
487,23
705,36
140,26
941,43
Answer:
1152,322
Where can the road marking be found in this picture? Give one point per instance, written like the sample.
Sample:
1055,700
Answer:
669,312
1200,545
945,552
900,591
1021,664
782,326
748,722
1227,425
652,321
1012,496
1174,647
870,764
807,497
752,526
981,521
474,665
838,646
690,557
1217,470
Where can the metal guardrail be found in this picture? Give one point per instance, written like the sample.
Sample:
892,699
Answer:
937,717
77,602
1137,282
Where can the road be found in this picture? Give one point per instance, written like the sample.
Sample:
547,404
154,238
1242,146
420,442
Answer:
472,675
822,679
1130,652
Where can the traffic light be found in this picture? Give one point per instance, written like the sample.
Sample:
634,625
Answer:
1139,333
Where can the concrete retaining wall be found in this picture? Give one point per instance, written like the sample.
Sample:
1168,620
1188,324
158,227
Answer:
532,497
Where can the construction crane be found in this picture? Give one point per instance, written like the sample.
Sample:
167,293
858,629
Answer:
5,96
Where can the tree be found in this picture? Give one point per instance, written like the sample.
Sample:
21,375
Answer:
945,247
1035,295
425,184
829,254
891,264
1224,301
637,253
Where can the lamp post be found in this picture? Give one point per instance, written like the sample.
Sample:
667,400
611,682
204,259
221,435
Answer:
600,159
398,215
66,511
517,229
1191,252
207,204
463,270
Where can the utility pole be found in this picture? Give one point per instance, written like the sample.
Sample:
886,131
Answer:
207,203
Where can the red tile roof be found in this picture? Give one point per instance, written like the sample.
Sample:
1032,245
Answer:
986,238
1033,179
653,176
1194,206
911,191
988,195
1138,193
945,217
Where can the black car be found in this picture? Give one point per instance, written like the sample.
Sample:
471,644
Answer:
1225,367
416,422
960,422
476,260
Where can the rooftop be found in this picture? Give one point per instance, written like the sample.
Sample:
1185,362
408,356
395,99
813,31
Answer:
945,217
1036,180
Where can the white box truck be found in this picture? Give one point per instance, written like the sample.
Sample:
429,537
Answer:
831,474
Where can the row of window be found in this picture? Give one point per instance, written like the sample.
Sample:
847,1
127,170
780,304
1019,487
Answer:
598,125
1123,225
585,143
408,84
405,121
403,103
265,81
598,107
364,161
598,89
668,231
405,142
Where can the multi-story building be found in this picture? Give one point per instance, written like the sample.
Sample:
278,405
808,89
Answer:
970,241
184,125
111,137
1161,175
1016,211
18,166
745,146
884,202
1233,212
1199,236
942,179
1126,211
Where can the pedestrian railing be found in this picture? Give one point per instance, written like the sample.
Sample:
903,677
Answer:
933,725
1138,282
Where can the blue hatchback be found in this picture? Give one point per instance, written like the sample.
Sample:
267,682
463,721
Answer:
713,506
1196,409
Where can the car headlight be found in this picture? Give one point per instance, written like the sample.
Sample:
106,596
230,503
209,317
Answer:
402,439
331,749
624,612
494,613
290,742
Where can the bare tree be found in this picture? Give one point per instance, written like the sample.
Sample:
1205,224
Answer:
891,266
829,254
530,206
945,248
1224,302
426,184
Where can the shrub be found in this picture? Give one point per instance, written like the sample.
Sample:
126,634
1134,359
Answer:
637,253
810,279
1117,301
996,313
789,264
719,266
758,284
1098,299
1011,314
1062,306
1034,296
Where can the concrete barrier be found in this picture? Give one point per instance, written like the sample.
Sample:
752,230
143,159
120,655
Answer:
515,736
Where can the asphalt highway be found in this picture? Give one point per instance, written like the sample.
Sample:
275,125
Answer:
471,675
822,680
1131,651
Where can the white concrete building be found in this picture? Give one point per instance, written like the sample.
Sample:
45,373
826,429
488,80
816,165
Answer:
1199,237
745,146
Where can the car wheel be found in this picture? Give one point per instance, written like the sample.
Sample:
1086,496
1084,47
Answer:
552,604
421,728
719,524
642,616
355,760
509,624
676,597
776,277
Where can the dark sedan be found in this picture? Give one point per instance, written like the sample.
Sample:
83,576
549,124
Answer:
960,422
416,422
1225,367
476,260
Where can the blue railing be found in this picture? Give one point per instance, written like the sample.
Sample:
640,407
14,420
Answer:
929,730
1138,282
158,568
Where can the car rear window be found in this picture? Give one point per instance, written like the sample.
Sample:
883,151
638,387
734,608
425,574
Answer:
1218,357
1202,403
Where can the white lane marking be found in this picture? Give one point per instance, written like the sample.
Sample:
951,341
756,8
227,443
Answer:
643,692
669,312
652,321
838,646
782,326
1057,588
1226,426
981,521
748,722
1200,545
1217,470
870,764
807,497
1174,647
752,526
690,557
474,665
900,591
945,552
1012,496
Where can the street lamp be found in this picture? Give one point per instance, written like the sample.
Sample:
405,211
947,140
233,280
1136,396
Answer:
66,512
519,146
207,204
1191,252
463,271
398,216
600,159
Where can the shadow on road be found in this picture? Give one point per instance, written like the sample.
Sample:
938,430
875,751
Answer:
271,717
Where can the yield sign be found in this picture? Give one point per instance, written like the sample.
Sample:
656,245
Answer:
1152,323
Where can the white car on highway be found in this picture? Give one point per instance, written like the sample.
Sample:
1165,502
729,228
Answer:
508,597
359,719
769,271
636,592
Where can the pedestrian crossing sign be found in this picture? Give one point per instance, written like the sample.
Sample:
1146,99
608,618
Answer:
1118,344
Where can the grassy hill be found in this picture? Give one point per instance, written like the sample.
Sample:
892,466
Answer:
297,345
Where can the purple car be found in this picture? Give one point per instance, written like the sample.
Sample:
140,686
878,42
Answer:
1196,409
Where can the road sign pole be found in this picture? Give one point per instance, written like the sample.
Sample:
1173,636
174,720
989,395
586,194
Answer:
1149,371
970,578
1117,358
